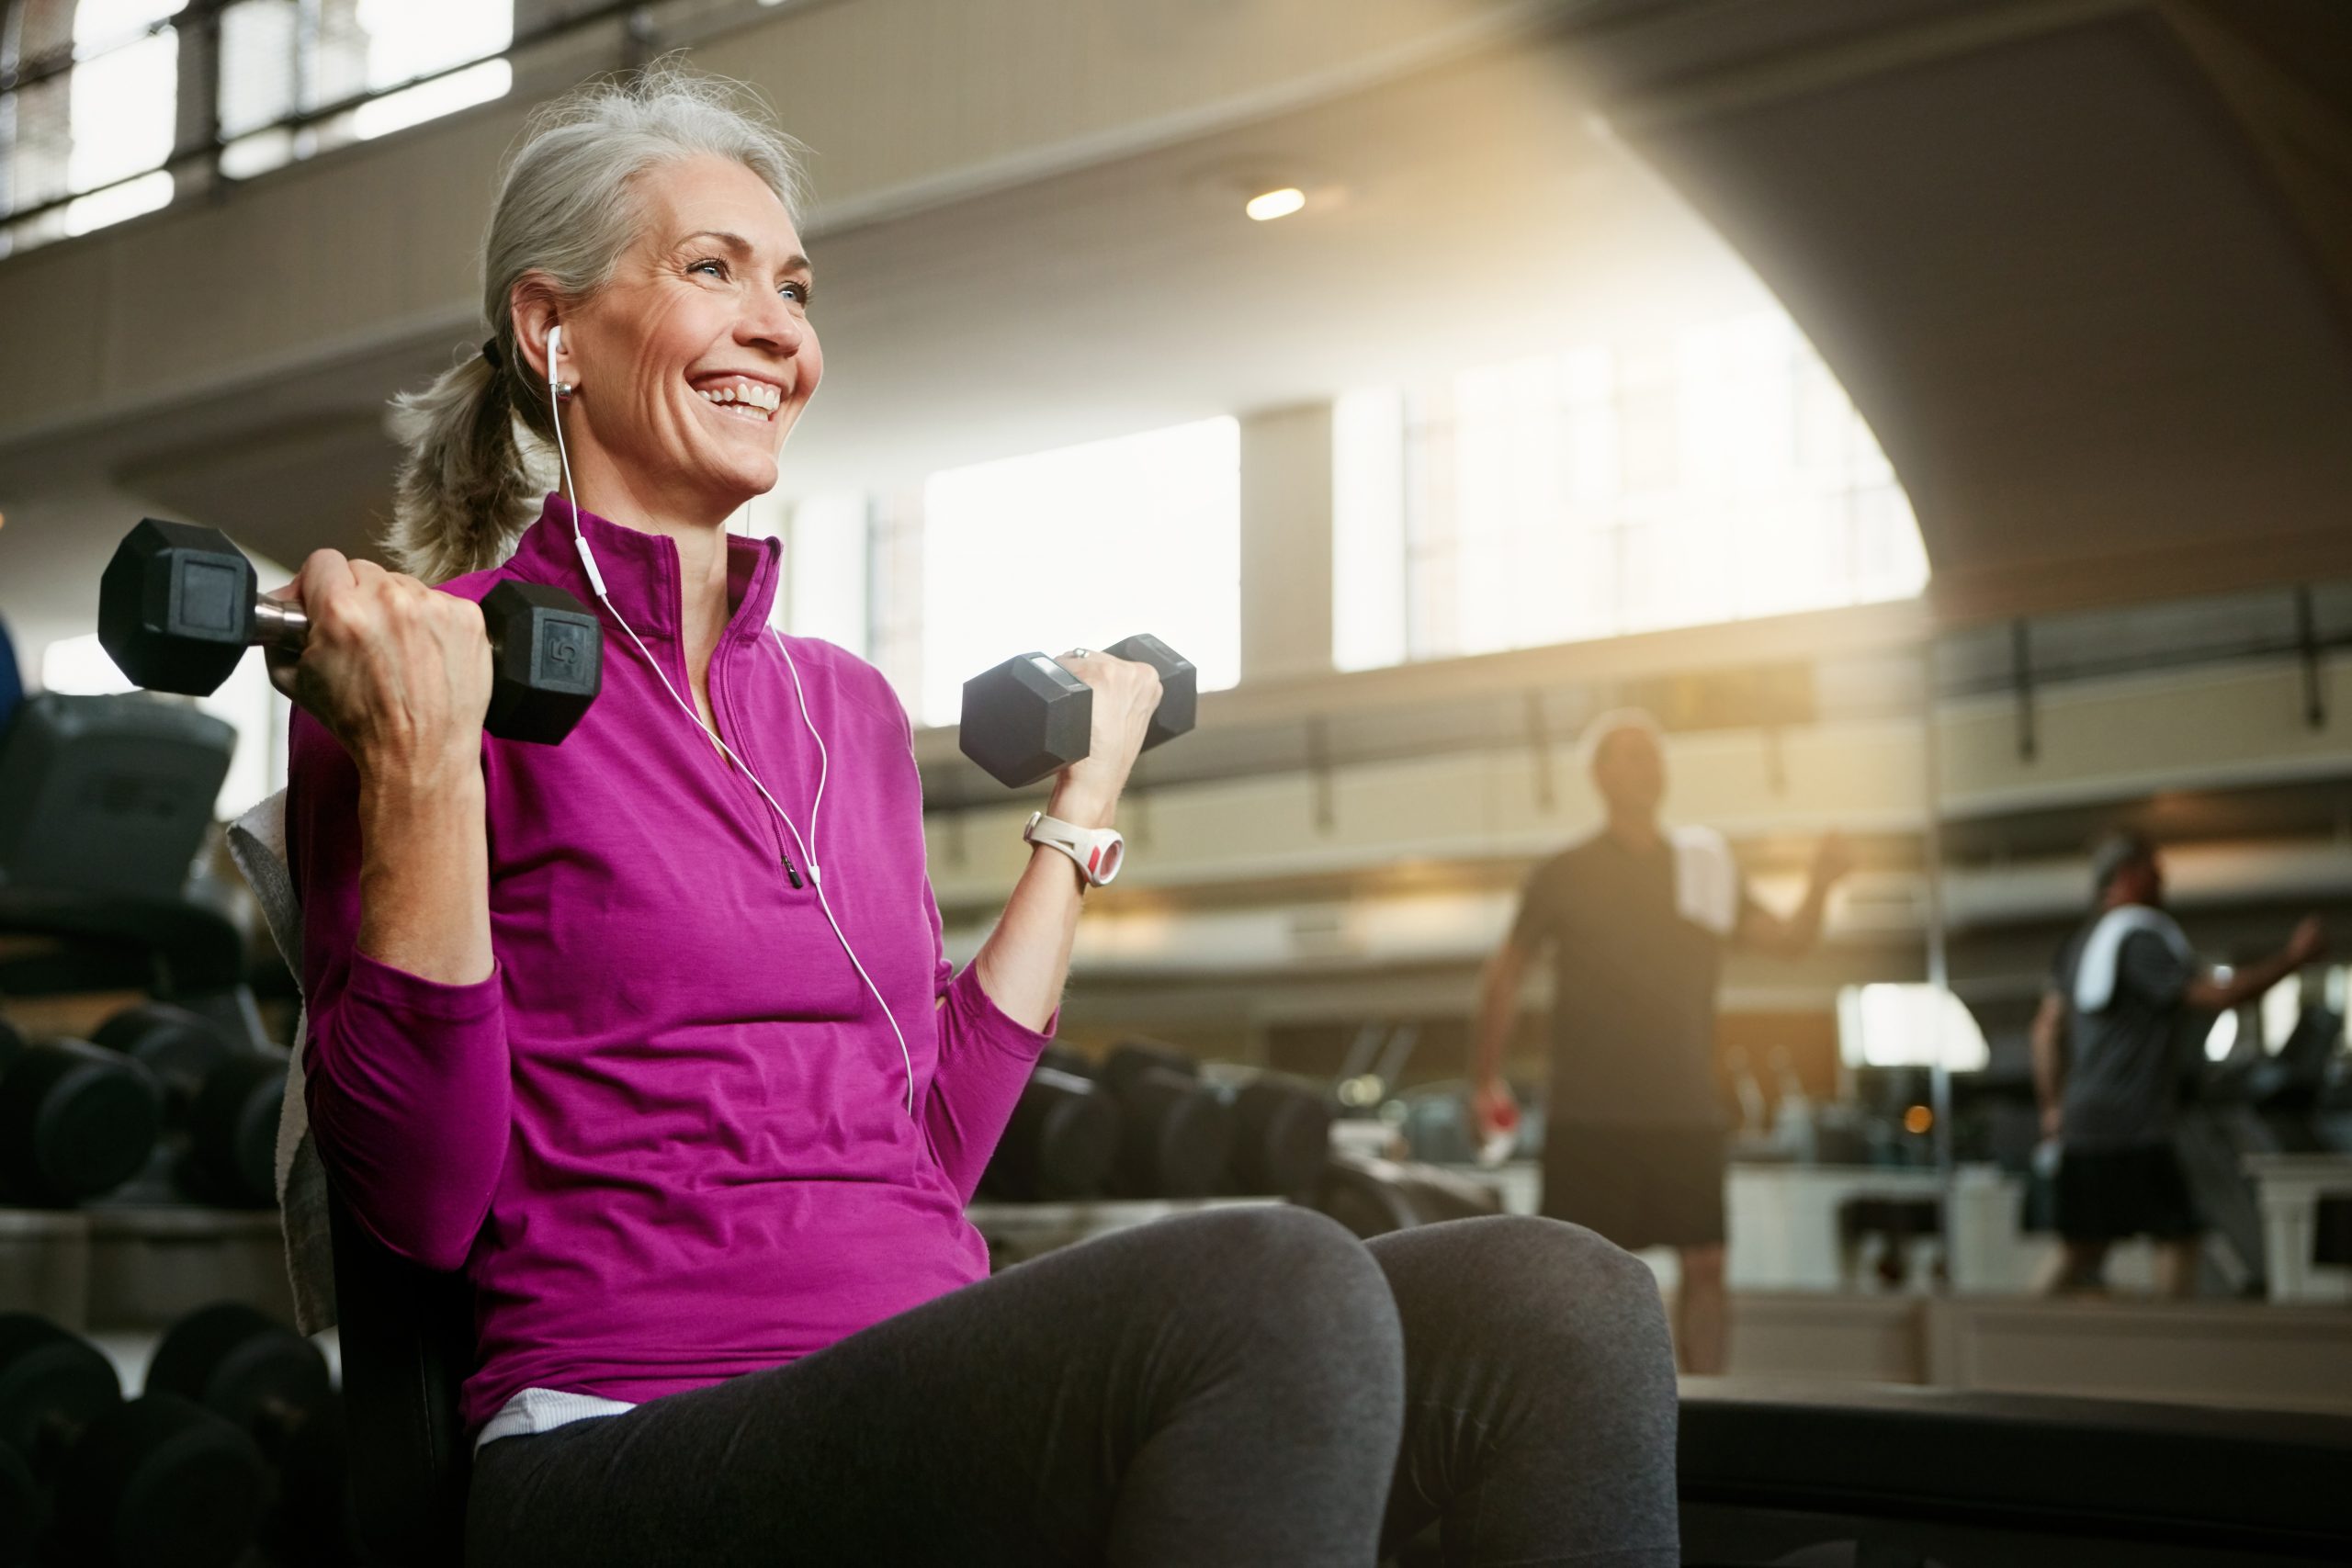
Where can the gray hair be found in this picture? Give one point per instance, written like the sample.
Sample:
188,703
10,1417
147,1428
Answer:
470,480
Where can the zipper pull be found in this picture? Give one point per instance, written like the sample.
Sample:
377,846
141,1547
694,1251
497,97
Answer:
792,871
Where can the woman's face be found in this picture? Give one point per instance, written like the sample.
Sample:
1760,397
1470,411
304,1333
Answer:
694,362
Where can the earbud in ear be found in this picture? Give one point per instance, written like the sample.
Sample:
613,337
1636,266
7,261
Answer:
555,347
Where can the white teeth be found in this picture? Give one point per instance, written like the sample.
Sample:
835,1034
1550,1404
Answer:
748,395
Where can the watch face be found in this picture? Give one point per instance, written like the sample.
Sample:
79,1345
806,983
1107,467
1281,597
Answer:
1103,864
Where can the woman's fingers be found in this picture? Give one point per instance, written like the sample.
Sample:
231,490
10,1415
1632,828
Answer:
391,666
1127,693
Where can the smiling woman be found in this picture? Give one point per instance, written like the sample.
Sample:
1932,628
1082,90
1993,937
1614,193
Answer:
700,1120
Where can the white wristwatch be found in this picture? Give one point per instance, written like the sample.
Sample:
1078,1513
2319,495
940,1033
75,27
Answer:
1096,851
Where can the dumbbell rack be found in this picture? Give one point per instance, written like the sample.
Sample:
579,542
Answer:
113,1266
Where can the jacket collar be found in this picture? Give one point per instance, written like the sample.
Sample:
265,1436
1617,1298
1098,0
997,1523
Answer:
642,570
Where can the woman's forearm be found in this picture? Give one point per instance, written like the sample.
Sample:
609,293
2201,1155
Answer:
424,873
1025,960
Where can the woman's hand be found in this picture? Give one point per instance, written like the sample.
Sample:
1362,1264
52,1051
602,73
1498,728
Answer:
1127,693
399,672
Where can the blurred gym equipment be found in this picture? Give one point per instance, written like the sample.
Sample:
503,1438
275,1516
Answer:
75,1122
274,1385
221,1097
1175,1132
105,803
1281,1133
1373,1197
153,1482
1060,1140
105,796
1065,1134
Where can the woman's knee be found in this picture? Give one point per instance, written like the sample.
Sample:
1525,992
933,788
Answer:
1548,1280
1293,1284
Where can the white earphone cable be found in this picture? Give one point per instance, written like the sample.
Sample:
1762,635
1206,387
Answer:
807,855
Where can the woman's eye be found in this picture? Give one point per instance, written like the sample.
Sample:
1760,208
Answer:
716,268
797,290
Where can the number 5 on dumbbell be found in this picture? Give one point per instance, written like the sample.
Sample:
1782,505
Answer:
1029,716
179,604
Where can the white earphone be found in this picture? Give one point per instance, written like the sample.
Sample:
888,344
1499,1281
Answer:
557,390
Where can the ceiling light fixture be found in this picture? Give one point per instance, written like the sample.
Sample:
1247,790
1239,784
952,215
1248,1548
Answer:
1275,204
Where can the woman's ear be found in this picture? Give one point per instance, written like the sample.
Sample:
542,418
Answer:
536,310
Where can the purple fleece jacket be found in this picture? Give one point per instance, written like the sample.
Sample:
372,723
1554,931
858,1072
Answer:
667,1137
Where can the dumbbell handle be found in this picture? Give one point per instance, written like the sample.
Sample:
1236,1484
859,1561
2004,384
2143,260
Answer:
277,624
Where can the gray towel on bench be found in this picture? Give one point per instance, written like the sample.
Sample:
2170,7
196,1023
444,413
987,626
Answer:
258,843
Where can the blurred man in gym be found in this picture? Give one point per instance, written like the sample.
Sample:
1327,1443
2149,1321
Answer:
1637,917
2111,1044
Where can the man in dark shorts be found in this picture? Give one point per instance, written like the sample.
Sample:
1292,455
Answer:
1637,917
2112,1046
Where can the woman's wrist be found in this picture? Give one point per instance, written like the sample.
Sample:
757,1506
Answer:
400,811
1082,807
401,773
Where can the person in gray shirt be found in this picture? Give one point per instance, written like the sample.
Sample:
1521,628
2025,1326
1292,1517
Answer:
2110,1058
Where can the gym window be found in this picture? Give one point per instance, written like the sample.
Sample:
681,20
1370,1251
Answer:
280,59
1713,475
114,107
1075,547
86,133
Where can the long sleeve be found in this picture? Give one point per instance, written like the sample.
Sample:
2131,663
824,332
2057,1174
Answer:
409,1084
983,1063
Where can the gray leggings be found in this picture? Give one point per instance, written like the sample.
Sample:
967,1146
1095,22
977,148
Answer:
1237,1387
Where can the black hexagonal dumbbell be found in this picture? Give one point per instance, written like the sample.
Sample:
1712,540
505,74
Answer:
1281,1134
221,1095
1028,717
157,1482
273,1386
179,604
75,1122
1175,1131
1059,1143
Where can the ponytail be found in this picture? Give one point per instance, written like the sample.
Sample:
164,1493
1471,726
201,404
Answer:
465,490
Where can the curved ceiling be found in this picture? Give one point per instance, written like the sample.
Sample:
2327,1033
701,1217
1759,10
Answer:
2081,263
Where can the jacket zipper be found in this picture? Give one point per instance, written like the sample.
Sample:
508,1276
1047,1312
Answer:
718,705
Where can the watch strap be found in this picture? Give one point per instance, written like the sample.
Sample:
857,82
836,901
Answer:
1098,853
